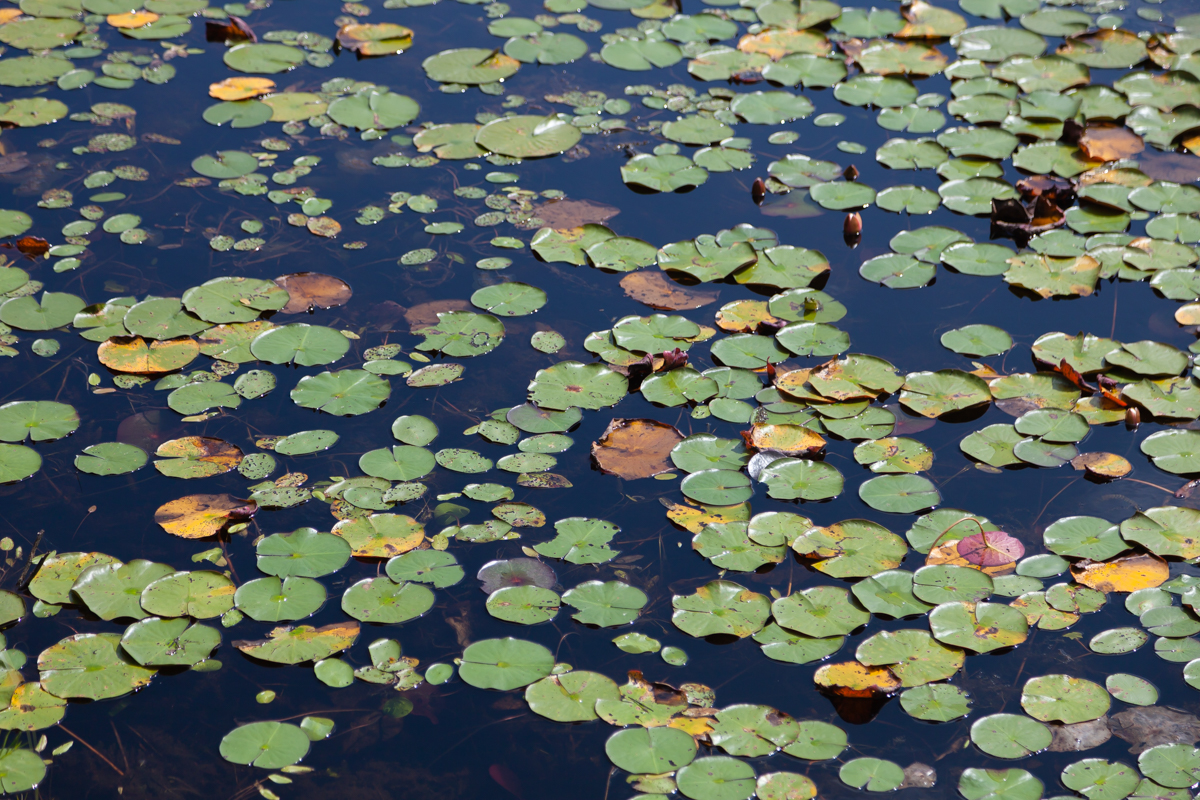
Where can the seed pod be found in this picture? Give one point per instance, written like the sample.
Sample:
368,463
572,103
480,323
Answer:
853,224
1133,418
758,191
850,173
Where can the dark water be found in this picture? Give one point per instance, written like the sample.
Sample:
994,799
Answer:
164,739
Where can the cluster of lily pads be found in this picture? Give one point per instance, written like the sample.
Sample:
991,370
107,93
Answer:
778,368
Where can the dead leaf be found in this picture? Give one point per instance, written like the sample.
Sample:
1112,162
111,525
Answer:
1188,314
1149,726
200,515
1177,167
695,518
1079,736
13,162
947,553
543,480
309,290
563,214
636,448
779,42
424,314
744,316
657,291
1109,466
240,88
1109,142
132,19
1125,574
233,29
852,679
33,246
791,440
919,776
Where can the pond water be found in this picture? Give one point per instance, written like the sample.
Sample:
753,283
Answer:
893,552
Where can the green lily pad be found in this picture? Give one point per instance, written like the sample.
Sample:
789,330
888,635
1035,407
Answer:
936,702
977,340
347,392
90,666
1061,698
872,774
504,664
385,601
40,421
303,553
1010,735
569,697
169,642
720,607
716,778
899,494
987,627
275,600
270,745
606,604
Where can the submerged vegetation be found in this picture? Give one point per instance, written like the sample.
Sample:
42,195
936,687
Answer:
235,300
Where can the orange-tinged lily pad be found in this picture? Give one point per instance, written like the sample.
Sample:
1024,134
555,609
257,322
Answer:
779,42
636,448
241,88
1125,574
201,515
324,226
132,19
197,457
1109,142
696,518
658,291
135,355
744,316
1102,465
852,679
794,440
1188,314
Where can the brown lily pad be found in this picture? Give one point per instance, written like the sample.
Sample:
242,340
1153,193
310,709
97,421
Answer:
1107,142
1176,167
13,162
919,776
425,314
1079,736
657,291
309,290
636,448
1149,726
564,214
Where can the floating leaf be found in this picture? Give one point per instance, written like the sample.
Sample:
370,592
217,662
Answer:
505,664
1062,698
636,448
1010,735
270,745
720,607
986,627
90,666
